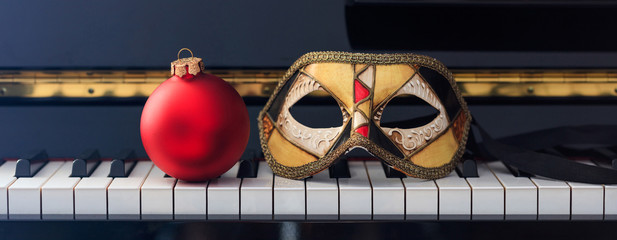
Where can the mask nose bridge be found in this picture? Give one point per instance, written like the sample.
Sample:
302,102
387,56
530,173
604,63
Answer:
363,95
361,147
358,151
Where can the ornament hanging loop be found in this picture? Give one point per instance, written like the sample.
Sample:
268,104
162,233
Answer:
183,50
191,65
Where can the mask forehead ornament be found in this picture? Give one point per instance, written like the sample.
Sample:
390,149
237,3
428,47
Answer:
363,85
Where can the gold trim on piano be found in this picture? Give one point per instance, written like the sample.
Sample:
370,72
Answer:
261,83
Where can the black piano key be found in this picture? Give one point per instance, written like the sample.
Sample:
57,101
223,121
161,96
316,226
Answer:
391,172
29,164
248,165
340,169
468,168
259,154
122,163
85,163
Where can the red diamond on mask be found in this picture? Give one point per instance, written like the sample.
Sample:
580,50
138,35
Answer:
360,91
363,130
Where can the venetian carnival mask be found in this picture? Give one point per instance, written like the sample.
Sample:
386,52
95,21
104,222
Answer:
363,85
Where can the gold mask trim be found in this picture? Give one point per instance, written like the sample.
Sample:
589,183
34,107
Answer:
357,140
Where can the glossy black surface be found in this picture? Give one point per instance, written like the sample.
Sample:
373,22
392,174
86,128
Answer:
483,25
477,230
248,168
85,163
30,163
122,163
391,172
339,169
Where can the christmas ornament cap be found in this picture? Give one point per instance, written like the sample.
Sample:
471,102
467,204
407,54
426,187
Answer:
190,65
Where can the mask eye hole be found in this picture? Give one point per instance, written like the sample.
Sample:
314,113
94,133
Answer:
317,112
407,111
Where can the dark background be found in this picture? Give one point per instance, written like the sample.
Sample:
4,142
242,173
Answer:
246,34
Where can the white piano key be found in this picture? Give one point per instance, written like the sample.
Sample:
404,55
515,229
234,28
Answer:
610,202
321,197
57,194
289,199
355,202
256,194
388,193
224,195
157,196
553,199
487,195
25,193
190,200
421,201
610,196
7,177
521,194
454,198
123,194
587,200
91,194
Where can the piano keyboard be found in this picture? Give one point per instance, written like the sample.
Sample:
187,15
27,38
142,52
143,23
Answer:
368,194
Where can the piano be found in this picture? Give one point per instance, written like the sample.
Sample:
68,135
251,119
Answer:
73,85
357,189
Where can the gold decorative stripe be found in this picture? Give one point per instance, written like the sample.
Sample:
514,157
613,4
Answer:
262,82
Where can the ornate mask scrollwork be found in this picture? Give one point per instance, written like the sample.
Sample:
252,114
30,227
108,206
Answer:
363,85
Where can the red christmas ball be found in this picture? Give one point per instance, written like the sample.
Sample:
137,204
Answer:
194,126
